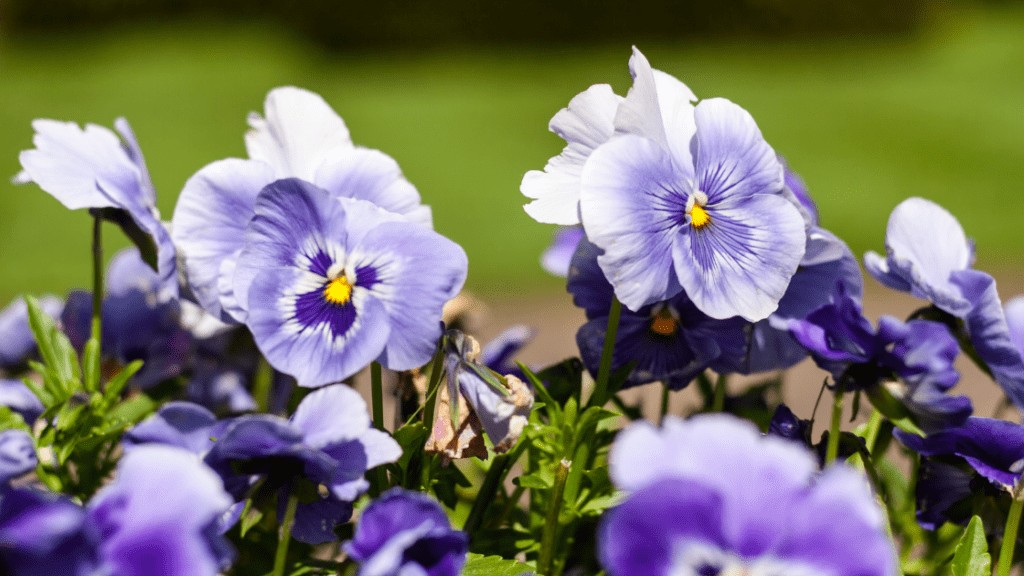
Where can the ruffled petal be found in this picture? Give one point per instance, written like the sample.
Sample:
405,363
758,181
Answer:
331,414
733,160
373,176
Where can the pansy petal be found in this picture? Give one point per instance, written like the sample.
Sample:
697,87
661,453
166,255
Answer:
732,159
558,256
742,262
210,220
1013,310
373,176
17,455
331,414
878,266
315,521
630,210
299,131
585,124
182,424
414,272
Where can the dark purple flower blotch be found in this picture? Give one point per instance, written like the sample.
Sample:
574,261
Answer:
407,533
711,495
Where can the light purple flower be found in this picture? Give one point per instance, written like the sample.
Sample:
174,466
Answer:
42,534
95,168
327,442
928,254
17,343
712,495
696,206
407,533
17,455
299,136
181,424
591,119
556,258
329,285
16,396
160,516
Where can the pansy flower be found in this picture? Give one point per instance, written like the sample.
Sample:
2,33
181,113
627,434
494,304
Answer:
694,205
912,361
928,255
15,396
97,169
330,284
993,451
711,495
670,341
557,257
406,533
42,533
299,136
17,455
17,343
327,443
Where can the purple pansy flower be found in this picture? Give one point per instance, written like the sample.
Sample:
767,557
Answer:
557,257
95,168
407,533
928,254
42,534
920,353
499,352
330,284
591,119
20,400
17,343
181,424
300,136
694,206
669,341
17,455
711,495
327,442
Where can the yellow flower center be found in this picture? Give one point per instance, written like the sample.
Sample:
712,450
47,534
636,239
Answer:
699,217
338,291
664,323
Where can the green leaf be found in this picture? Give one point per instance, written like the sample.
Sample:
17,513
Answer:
479,565
972,557
411,437
251,516
11,420
112,392
129,412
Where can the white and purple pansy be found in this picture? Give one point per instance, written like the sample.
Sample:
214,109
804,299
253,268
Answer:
712,496
328,285
101,170
300,136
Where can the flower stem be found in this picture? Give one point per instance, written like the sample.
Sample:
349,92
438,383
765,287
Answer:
486,494
718,402
377,390
600,395
664,403
97,279
837,419
285,535
1010,536
551,524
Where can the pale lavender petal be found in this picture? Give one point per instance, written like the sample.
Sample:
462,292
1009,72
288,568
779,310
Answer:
732,159
16,396
299,131
556,259
331,414
585,124
373,176
17,343
657,107
631,209
742,262
17,455
210,220
181,424
1014,312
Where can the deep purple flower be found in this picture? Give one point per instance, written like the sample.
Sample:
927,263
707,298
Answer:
711,495
557,257
330,284
17,343
501,404
928,254
17,455
160,516
300,136
785,424
16,396
181,424
919,353
42,534
591,119
668,341
694,206
499,352
138,322
95,168
407,533
328,442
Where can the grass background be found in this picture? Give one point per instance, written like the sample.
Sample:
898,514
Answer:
867,122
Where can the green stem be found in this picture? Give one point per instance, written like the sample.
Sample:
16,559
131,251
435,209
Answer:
551,524
436,371
1010,536
97,279
263,384
485,497
871,431
664,403
718,403
285,535
377,391
837,419
600,395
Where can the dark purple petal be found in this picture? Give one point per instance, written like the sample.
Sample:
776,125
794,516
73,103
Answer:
315,521
995,448
42,534
182,424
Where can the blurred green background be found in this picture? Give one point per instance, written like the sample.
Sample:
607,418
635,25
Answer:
869,108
